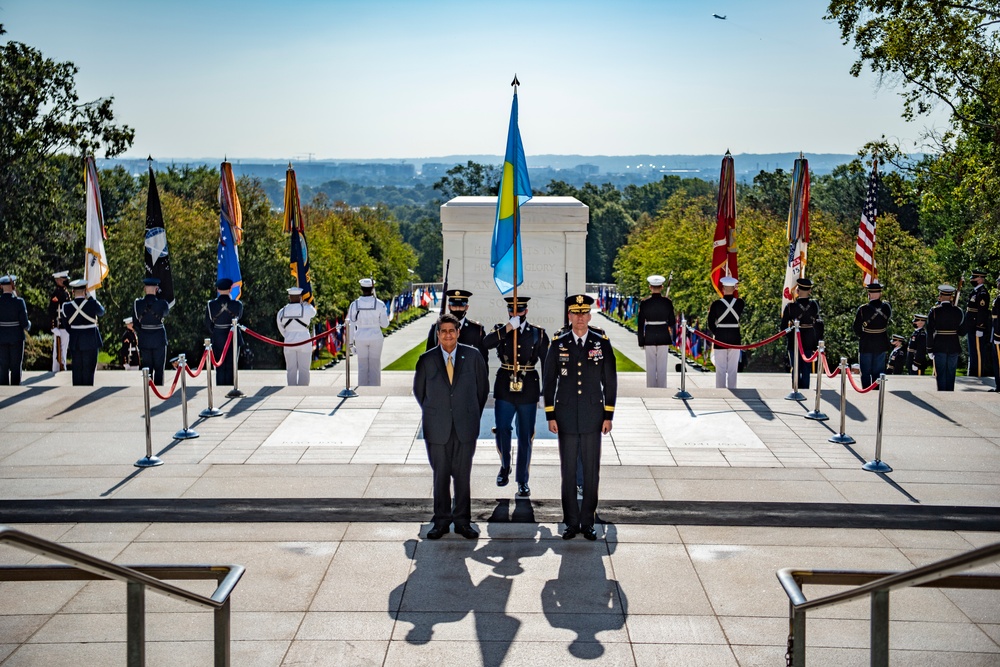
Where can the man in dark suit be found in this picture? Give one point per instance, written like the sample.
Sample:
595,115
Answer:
580,384
13,326
148,313
219,316
79,316
451,384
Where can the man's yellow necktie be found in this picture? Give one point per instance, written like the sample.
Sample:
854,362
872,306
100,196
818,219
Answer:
451,371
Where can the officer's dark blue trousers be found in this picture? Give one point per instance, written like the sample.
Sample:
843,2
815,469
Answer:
805,369
154,359
504,412
945,365
979,355
83,364
572,446
872,365
11,356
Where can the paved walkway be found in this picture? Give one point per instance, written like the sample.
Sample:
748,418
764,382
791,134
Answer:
358,591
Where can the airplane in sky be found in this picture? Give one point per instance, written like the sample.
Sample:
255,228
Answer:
721,18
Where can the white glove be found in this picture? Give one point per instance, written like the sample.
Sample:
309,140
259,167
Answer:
515,322
979,334
930,355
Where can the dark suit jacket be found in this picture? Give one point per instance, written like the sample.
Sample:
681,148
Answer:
458,405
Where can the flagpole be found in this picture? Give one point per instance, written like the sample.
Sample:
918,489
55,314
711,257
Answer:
517,221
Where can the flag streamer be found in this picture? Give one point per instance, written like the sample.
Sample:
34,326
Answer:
295,225
230,231
157,257
515,190
724,245
798,230
95,264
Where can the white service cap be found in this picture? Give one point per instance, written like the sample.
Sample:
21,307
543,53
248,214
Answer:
366,282
656,280
61,274
728,281
294,291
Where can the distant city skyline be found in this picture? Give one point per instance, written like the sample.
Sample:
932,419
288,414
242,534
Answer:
384,79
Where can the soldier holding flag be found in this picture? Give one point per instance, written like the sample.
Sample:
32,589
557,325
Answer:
79,316
14,325
219,316
60,337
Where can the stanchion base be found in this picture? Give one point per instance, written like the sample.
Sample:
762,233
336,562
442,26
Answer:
149,462
842,439
347,393
876,466
210,412
795,396
185,434
816,416
683,396
235,393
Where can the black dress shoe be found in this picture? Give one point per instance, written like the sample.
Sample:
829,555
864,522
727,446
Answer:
523,490
468,532
437,532
590,533
569,533
503,477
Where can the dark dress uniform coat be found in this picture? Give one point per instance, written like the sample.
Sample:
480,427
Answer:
130,349
945,325
532,345
806,311
147,315
916,352
656,321
13,324
59,296
977,318
896,364
79,317
871,326
724,319
219,316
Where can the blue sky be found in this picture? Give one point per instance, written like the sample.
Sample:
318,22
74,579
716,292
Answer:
381,78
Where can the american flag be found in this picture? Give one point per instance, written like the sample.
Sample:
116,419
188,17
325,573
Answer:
864,251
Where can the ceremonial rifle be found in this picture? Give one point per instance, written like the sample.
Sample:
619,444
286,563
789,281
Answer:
444,287
961,284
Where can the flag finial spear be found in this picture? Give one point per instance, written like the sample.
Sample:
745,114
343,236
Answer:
289,164
801,155
515,82
149,158
727,152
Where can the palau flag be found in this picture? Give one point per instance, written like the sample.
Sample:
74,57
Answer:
230,231
95,262
515,189
295,225
156,256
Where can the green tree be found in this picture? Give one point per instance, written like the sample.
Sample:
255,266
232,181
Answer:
470,180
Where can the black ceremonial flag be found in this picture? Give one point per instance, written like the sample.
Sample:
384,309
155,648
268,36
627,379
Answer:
157,258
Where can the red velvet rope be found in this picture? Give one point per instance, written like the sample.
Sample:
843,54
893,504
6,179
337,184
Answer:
739,347
217,361
826,368
173,386
850,376
201,366
806,359
280,344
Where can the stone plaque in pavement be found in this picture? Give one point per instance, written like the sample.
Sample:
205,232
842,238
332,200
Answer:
716,430
342,428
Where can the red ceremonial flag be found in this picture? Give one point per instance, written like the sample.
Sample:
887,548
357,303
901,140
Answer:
864,250
723,245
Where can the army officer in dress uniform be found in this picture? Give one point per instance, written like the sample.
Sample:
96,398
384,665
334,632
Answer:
656,322
470,332
516,394
79,316
916,349
945,323
805,309
148,313
871,326
580,386
14,325
219,316
897,358
60,337
724,324
977,322
995,339
130,346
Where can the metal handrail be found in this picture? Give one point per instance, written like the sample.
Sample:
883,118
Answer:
79,565
878,585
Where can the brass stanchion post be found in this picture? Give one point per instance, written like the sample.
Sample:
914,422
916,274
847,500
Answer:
211,410
842,438
815,414
185,433
148,461
877,464
683,393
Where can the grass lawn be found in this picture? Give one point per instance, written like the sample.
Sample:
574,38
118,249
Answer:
408,362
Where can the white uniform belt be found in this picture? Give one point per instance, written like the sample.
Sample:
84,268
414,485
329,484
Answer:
151,327
83,326
727,326
10,324
654,324
223,326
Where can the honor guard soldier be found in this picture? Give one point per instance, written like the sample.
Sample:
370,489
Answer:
148,313
367,317
977,321
14,325
470,332
516,392
130,346
945,323
293,323
79,316
995,342
916,349
219,316
805,309
580,385
656,324
871,326
60,337
724,325
897,357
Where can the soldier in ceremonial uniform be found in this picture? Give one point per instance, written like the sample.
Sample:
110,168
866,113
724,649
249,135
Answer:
293,323
470,332
148,313
580,387
945,323
897,357
916,349
79,316
805,309
14,325
219,316
977,321
130,346
516,395
367,317
871,326
656,325
60,337
724,325
995,339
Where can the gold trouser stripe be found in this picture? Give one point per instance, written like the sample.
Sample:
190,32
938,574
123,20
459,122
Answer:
979,356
